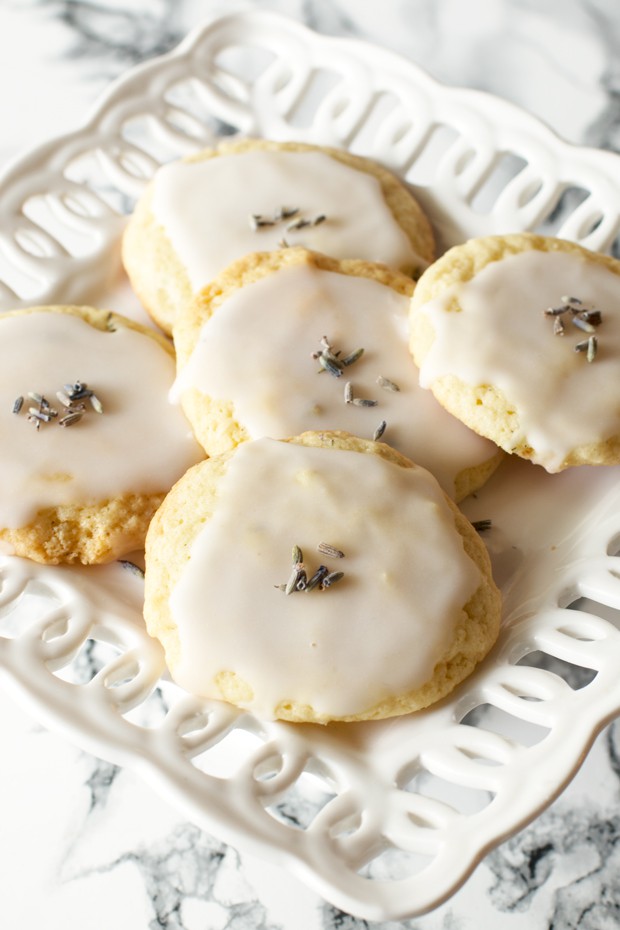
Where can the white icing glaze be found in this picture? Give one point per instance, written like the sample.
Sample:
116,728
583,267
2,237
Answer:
205,206
140,444
502,337
378,632
256,351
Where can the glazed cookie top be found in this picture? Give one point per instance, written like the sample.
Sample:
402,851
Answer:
262,337
531,327
85,414
376,632
253,196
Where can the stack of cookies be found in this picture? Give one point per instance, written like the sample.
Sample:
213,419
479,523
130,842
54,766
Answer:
296,480
307,569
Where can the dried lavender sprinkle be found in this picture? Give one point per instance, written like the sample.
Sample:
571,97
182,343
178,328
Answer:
18,404
387,384
328,549
95,403
589,346
69,419
321,572
331,579
352,357
258,222
64,399
291,584
39,414
380,430
583,325
285,213
333,367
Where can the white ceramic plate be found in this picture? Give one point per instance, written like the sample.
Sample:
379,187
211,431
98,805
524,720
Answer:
385,820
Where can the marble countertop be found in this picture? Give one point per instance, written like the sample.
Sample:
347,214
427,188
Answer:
86,844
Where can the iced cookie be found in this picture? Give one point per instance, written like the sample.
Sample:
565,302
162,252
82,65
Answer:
272,348
315,579
201,213
519,337
90,443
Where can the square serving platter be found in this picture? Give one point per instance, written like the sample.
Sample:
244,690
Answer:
385,820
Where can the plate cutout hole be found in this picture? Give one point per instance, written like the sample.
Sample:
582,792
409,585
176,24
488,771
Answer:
151,712
193,113
575,676
86,170
322,82
529,192
91,658
424,167
246,62
460,798
506,167
228,755
567,201
392,864
491,718
385,125
299,804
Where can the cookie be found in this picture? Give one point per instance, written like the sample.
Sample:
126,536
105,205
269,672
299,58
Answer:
204,212
85,463
253,358
319,578
518,336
